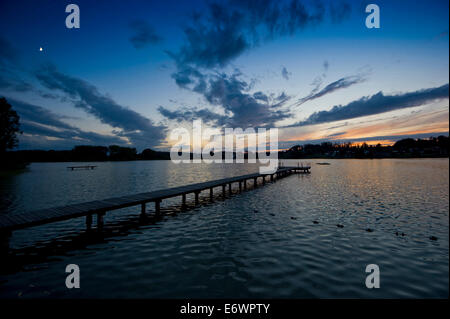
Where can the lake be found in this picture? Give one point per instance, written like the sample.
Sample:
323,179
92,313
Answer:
276,241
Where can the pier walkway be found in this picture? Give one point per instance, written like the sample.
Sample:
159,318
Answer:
10,222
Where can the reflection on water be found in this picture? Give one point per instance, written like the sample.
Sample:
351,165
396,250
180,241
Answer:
280,240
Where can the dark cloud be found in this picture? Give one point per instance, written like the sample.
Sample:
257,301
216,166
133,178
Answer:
9,79
38,114
213,42
13,83
375,104
242,108
226,30
280,18
338,126
190,114
342,83
187,76
285,74
337,134
261,96
140,130
280,100
143,34
41,123
245,110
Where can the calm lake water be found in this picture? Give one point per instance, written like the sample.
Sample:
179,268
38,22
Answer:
261,243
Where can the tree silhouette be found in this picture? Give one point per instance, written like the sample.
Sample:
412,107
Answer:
9,126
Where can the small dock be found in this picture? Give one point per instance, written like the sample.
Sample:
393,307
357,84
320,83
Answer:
10,222
81,167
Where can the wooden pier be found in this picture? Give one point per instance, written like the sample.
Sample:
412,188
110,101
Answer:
10,222
81,167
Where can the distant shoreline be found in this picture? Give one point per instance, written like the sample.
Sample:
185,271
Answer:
433,147
23,165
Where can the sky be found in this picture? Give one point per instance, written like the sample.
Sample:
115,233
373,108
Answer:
136,70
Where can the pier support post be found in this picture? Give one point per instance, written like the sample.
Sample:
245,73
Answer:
89,222
5,236
264,179
255,182
143,210
183,201
100,219
196,198
271,178
223,191
211,194
229,188
158,207
245,184
240,187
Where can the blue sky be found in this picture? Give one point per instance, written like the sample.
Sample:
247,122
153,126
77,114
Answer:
137,69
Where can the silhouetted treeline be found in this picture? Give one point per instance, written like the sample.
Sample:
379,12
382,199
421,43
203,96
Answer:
432,147
89,154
